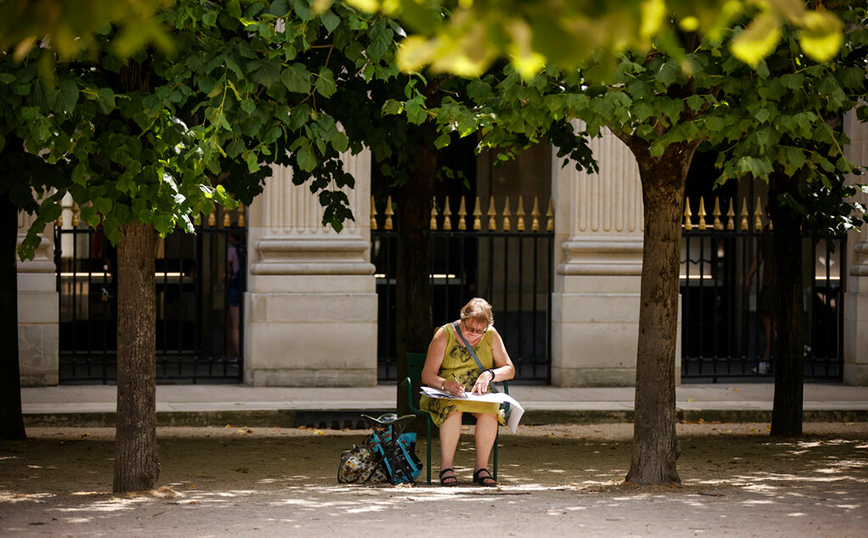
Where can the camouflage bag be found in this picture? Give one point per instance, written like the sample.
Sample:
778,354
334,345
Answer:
360,465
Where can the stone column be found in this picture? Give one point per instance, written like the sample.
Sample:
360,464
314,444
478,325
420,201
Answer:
311,301
595,302
856,296
38,302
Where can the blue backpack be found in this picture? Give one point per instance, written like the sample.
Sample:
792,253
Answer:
396,450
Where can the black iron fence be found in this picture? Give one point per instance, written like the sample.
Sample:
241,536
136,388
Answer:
199,281
509,264
728,292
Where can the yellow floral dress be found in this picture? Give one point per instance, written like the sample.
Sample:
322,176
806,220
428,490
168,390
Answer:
459,361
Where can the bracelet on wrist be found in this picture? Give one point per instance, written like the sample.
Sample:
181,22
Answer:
491,371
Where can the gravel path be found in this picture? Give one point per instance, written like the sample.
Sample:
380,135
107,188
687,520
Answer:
553,479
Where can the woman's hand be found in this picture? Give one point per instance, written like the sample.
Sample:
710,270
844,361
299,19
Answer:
481,385
454,388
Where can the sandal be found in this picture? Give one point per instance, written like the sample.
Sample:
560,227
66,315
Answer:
487,481
448,481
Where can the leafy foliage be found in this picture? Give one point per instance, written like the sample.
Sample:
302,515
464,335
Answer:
533,33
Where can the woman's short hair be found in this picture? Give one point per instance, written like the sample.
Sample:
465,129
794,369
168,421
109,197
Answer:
479,310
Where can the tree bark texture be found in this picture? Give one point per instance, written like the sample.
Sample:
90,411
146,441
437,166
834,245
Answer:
11,419
414,325
655,444
136,465
789,316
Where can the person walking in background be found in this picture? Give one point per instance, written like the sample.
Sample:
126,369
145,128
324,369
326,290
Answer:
233,297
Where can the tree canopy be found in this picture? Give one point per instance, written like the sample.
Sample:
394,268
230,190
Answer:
546,32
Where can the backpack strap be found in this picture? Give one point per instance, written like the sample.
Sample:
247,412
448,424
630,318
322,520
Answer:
473,354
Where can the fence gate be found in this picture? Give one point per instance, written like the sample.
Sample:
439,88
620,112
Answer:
199,285
727,292
502,257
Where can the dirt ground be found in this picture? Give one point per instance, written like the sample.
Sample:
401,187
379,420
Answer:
737,481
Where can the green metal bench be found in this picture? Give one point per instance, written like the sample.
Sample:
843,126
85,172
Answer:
413,382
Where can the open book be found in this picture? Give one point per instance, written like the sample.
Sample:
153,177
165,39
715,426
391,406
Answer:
493,397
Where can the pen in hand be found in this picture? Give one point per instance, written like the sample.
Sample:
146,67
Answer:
461,389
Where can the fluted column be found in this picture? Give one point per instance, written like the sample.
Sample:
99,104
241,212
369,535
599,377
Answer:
599,227
38,328
311,303
856,297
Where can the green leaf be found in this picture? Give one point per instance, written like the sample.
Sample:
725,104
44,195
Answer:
68,96
821,35
303,10
330,21
478,89
695,102
106,100
267,74
668,74
305,158
758,40
796,157
416,113
642,111
103,205
392,106
442,141
325,83
209,19
296,78
279,8
234,8
340,142
793,81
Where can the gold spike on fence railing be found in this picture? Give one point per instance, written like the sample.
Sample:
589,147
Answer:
373,214
477,216
534,214
506,214
702,214
758,222
550,215
718,225
75,210
447,216
687,214
227,218
242,216
730,215
743,225
212,217
492,215
519,213
433,223
462,215
59,221
388,212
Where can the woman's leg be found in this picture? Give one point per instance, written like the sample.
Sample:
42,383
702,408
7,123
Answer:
486,433
450,431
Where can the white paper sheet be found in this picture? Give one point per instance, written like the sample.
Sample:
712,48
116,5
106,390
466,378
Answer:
493,397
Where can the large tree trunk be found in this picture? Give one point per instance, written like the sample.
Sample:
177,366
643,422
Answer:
11,419
136,464
655,444
413,282
789,314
